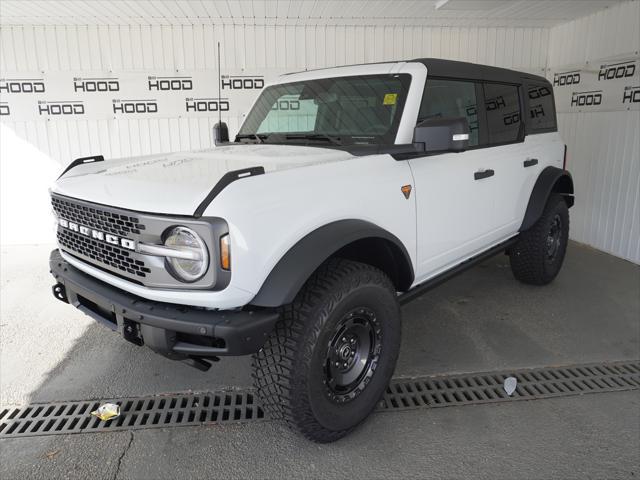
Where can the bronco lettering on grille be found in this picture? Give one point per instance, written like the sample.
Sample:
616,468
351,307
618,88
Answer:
97,234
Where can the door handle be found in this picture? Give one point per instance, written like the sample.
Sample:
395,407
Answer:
483,174
530,162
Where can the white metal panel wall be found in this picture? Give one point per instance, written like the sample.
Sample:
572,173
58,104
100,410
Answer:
614,31
604,147
133,48
513,13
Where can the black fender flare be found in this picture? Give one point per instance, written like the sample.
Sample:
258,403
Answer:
296,266
551,180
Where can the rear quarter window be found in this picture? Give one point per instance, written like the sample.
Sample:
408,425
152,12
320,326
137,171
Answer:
542,112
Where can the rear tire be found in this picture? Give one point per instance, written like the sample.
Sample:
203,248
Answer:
537,257
330,358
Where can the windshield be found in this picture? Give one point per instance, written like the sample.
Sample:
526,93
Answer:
342,110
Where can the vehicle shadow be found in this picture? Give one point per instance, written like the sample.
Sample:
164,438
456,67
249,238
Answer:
481,320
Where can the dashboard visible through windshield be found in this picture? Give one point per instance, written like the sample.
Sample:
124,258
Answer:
339,111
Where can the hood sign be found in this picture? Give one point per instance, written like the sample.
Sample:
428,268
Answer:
97,234
135,106
605,88
89,85
242,82
207,104
27,85
170,83
129,94
60,108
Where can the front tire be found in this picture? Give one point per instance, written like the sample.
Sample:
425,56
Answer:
539,253
330,358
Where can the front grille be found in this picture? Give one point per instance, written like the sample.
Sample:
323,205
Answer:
94,251
100,219
88,238
102,253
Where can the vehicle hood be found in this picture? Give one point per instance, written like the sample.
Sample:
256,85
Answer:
176,183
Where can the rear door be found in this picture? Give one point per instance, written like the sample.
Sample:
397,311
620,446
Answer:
454,191
513,159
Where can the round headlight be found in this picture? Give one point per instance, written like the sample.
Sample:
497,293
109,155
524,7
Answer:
193,267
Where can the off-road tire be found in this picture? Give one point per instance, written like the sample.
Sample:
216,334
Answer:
530,257
290,371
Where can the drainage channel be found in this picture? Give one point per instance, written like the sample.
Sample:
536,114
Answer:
239,406
135,413
532,384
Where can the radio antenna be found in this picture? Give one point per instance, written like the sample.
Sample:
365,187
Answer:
219,91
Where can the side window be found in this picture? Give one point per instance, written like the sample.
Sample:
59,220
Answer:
502,104
451,98
541,108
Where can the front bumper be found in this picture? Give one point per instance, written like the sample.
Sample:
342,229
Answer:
175,331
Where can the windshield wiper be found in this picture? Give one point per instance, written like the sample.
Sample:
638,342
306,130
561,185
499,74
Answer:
255,136
315,136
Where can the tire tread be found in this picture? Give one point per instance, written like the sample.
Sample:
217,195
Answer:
278,382
527,256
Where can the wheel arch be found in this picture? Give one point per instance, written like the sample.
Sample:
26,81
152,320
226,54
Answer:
551,180
351,239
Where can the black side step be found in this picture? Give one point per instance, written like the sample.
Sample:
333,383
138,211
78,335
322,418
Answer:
443,277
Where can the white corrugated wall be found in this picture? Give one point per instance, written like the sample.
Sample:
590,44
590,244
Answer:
604,151
604,147
127,48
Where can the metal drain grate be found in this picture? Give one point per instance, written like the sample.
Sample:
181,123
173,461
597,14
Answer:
242,405
135,413
478,388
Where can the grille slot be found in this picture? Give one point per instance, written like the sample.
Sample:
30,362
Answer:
100,219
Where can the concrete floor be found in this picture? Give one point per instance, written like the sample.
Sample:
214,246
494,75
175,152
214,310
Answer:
482,320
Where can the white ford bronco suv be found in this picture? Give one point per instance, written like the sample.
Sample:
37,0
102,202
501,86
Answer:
347,192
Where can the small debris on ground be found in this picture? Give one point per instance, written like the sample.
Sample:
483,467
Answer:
107,411
510,384
51,454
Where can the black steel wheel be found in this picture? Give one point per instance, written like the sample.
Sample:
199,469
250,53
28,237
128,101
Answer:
329,360
554,238
352,355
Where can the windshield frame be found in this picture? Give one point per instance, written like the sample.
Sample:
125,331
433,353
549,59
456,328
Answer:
346,140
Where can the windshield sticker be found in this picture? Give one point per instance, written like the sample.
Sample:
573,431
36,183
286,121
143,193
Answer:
390,99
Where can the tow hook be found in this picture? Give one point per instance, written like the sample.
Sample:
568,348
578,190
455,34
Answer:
60,292
201,363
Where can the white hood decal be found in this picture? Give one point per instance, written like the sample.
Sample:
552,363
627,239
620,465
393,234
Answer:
177,183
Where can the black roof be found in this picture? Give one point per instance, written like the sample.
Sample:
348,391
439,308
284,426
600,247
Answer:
440,67
450,68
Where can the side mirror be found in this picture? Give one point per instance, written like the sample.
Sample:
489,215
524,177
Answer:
220,133
443,134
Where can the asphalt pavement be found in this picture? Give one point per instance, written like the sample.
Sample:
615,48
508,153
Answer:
482,320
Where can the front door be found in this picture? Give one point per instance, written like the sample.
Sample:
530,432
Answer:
454,191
